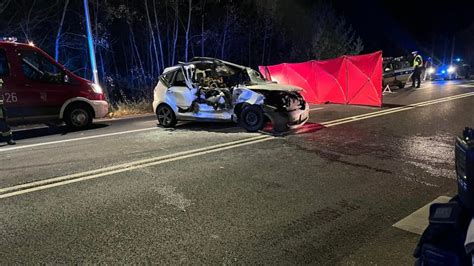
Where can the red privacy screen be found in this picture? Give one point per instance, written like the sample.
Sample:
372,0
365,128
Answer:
344,80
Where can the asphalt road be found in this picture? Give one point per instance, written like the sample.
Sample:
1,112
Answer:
128,191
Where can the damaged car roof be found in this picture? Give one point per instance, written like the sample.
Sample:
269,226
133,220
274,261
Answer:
198,60
262,85
201,59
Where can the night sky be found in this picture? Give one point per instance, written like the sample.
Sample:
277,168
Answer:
398,27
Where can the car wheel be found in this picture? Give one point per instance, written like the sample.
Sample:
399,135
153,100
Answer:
252,118
166,116
401,85
78,116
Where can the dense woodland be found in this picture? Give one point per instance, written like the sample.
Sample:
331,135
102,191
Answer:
136,40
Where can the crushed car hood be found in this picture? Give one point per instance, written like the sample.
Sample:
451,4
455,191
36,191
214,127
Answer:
274,87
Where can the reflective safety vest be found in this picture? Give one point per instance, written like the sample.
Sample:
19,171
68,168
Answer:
418,61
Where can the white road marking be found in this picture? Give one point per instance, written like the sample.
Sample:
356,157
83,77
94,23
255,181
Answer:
60,181
126,165
315,109
64,180
75,139
394,110
418,221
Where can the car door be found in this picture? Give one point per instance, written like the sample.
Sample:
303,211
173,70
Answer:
388,74
180,92
43,88
403,71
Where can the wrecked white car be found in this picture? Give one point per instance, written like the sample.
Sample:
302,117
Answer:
208,89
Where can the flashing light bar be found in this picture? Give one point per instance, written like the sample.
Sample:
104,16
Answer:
10,39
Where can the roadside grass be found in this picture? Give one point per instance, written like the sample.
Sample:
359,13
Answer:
127,108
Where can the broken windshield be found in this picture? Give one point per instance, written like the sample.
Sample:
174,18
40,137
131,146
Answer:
255,77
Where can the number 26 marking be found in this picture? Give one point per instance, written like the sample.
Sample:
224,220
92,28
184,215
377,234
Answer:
11,97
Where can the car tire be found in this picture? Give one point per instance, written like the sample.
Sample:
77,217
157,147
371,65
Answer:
401,85
252,118
166,117
78,116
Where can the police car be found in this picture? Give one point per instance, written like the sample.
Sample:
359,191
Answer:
457,70
397,71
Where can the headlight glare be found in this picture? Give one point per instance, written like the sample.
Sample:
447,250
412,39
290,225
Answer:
97,88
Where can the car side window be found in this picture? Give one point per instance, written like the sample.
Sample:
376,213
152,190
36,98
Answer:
4,69
168,78
179,80
389,67
37,67
397,65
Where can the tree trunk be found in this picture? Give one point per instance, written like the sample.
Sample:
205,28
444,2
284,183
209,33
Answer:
134,45
160,43
186,46
176,31
60,29
152,33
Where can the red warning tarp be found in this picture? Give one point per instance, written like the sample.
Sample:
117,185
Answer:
344,80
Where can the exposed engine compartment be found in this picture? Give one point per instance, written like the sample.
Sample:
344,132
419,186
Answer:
215,83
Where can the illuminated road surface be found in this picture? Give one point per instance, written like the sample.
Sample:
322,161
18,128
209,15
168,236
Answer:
128,191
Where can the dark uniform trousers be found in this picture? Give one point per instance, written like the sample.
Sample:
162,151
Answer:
417,77
5,131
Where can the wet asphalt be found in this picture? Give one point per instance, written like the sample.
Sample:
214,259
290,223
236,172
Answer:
326,196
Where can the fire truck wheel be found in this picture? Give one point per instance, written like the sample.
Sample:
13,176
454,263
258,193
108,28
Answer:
78,116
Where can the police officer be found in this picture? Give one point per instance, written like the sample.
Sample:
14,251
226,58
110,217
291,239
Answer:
5,131
418,68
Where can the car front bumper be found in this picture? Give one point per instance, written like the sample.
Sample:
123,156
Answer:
284,121
101,108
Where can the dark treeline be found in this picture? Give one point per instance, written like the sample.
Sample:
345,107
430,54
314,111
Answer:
136,40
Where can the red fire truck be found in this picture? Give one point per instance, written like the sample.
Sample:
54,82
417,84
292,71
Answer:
37,89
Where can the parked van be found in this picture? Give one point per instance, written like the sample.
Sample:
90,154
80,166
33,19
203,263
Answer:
37,89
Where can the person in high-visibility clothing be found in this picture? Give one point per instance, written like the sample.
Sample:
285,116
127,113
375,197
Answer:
418,69
5,131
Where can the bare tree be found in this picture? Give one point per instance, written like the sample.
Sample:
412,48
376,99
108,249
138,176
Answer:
175,31
152,33
186,45
203,12
60,28
158,34
136,40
